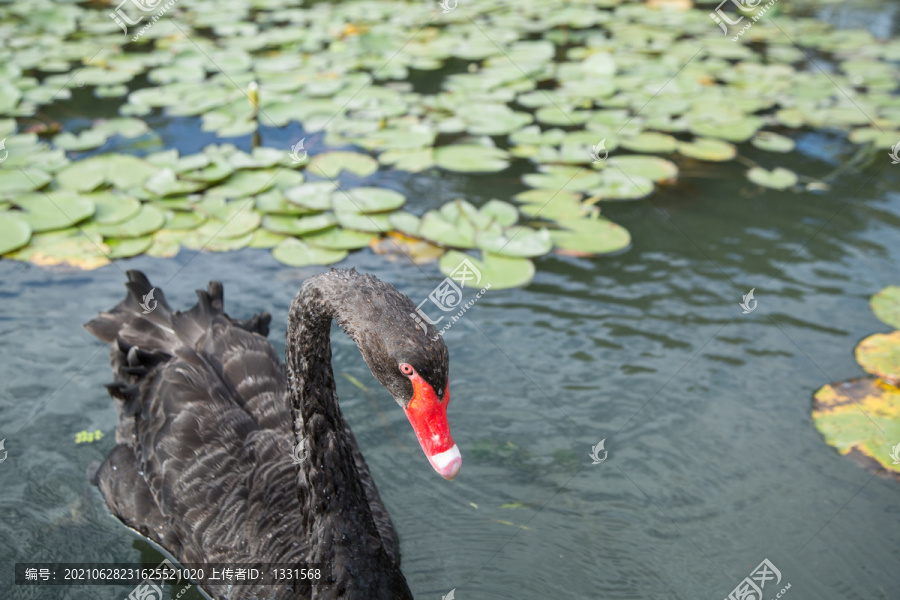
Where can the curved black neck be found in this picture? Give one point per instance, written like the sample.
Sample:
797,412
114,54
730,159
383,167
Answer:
336,516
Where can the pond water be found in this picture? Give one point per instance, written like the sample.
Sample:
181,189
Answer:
713,462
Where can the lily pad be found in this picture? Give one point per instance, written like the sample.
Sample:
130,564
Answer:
522,242
587,237
125,248
886,305
651,167
650,141
708,149
67,247
298,225
14,232
330,164
367,200
296,253
844,414
879,355
501,212
437,229
339,239
146,221
372,223
314,195
471,158
113,208
778,179
17,181
56,209
772,142
499,272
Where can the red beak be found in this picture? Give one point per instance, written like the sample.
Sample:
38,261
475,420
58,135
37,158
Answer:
428,416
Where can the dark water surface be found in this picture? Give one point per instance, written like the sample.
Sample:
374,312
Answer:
713,464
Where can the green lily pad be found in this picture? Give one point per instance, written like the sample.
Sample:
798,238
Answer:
266,239
296,253
146,221
128,247
650,141
778,179
86,140
772,142
166,183
120,171
339,239
879,355
499,272
113,208
616,184
563,179
588,237
471,158
550,204
522,242
437,229
243,184
885,305
844,413
651,167
183,220
404,222
708,149
18,181
274,202
56,209
367,200
298,225
208,240
14,232
315,195
413,161
371,223
330,164
501,212
67,247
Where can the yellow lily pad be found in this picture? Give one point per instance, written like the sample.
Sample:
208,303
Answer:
861,419
879,355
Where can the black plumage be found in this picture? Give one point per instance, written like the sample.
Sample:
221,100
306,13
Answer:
208,416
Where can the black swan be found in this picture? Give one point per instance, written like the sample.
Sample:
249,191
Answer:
208,417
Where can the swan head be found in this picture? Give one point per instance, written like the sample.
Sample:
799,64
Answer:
409,359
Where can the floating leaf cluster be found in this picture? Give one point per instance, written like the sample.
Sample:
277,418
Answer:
605,99
861,417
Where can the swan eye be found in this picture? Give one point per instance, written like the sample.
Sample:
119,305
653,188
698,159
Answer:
406,369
